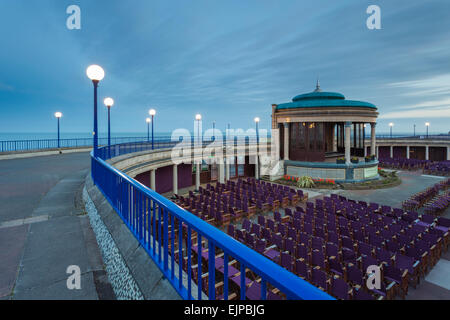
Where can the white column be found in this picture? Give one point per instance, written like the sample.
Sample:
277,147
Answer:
407,152
348,127
175,179
221,166
373,140
197,176
365,151
333,135
376,152
286,141
448,153
153,179
227,169
427,153
392,151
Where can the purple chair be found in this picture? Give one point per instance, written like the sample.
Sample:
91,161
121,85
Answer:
348,256
384,256
302,269
420,256
253,292
340,289
411,265
286,261
289,245
355,275
361,294
347,243
398,276
319,279
318,259
334,238
302,252
332,250
336,267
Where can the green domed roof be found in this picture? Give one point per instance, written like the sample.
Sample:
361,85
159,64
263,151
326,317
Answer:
320,99
319,95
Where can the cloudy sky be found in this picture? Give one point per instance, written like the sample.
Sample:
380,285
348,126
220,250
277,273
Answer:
228,60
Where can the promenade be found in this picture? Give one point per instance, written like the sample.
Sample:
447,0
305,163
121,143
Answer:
44,229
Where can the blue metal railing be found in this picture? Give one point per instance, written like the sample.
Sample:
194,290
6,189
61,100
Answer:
45,144
157,223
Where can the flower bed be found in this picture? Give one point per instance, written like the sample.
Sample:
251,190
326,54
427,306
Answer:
315,183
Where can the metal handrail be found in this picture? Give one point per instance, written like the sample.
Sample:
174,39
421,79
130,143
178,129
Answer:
126,195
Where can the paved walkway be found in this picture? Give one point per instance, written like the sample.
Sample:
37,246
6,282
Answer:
44,229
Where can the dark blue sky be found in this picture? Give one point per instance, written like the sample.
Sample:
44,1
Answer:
229,60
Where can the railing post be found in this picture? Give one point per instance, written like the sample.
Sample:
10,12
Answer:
211,270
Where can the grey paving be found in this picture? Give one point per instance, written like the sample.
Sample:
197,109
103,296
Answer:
412,183
24,182
43,220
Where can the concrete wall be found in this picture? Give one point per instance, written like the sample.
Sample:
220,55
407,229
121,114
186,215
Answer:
144,271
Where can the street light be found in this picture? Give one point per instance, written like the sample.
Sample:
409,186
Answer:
96,74
214,130
257,147
257,131
427,124
109,102
391,125
148,120
58,115
152,112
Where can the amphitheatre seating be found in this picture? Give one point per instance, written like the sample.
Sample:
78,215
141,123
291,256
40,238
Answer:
329,242
230,202
435,199
440,168
336,238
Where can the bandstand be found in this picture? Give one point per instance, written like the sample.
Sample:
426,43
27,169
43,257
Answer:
322,135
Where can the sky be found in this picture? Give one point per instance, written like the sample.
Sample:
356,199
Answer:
227,60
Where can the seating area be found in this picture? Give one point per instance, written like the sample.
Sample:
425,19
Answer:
331,242
224,203
438,168
427,197
441,168
438,205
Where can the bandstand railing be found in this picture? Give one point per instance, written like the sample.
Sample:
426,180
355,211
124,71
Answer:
173,236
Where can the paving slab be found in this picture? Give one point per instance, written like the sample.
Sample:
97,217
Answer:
43,230
12,242
58,291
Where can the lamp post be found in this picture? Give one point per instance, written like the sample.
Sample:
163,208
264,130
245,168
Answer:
148,120
214,130
96,74
257,131
58,116
257,148
152,113
391,125
427,124
109,102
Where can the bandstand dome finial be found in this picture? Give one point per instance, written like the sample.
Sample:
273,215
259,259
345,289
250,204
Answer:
318,86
